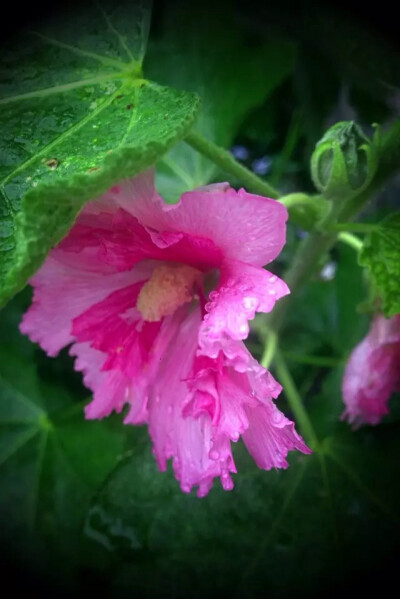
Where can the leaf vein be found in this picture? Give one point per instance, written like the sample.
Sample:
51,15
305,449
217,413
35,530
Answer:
103,59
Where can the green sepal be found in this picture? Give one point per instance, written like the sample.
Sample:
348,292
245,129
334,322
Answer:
305,211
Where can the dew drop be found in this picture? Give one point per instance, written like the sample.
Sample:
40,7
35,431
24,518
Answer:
214,454
272,292
249,303
227,484
272,278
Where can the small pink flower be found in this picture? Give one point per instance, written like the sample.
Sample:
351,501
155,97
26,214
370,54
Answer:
155,301
372,372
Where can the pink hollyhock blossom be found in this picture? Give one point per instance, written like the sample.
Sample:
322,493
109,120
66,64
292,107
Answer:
155,301
372,372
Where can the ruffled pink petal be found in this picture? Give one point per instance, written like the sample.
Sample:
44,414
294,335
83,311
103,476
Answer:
187,439
124,342
242,291
270,436
372,373
240,404
112,383
62,292
110,388
244,226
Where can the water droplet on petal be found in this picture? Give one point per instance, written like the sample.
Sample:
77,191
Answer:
272,278
227,484
226,480
272,292
250,303
214,454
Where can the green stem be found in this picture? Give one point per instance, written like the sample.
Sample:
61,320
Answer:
355,227
299,199
226,162
269,349
292,395
351,240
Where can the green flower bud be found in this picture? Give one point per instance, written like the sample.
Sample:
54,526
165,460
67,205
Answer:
344,161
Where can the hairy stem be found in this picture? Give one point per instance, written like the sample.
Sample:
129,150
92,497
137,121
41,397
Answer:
269,349
356,227
351,240
226,162
292,395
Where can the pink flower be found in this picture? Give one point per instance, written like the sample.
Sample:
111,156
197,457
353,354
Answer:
155,301
372,372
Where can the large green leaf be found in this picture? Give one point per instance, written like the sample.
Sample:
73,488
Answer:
303,530
231,73
76,116
51,459
51,462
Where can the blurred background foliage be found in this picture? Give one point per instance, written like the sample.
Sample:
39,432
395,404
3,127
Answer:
83,507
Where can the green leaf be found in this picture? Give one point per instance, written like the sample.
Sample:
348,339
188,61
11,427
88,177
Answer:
204,50
76,116
263,537
51,462
381,256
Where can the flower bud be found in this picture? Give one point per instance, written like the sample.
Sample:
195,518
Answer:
344,161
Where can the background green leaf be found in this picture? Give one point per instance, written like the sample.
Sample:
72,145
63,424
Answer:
51,459
277,533
232,73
